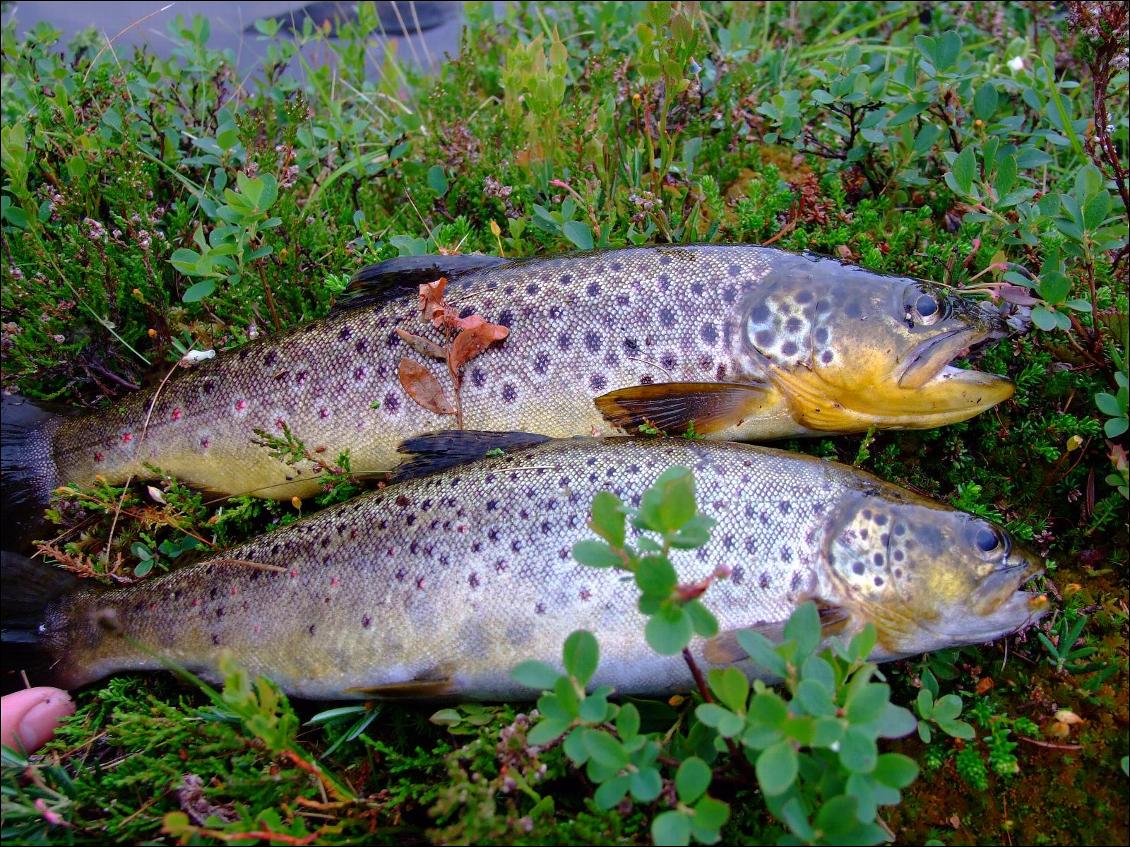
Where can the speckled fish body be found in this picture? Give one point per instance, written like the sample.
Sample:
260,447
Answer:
438,586
748,343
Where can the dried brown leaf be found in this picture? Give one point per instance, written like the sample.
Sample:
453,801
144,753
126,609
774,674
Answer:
424,388
432,306
422,345
471,342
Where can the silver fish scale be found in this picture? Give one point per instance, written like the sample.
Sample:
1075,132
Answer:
461,575
580,326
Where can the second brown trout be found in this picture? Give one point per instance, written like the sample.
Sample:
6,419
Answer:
440,585
739,342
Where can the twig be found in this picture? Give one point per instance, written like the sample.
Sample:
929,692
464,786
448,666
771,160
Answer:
1050,744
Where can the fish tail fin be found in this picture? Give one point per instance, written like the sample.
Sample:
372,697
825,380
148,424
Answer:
29,588
28,466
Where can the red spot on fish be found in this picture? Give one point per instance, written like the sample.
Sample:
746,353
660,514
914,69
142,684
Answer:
334,582
177,414
205,442
99,455
420,582
240,405
585,594
196,601
258,628
127,437
391,551
323,413
234,590
461,527
152,606
352,533
293,573
279,423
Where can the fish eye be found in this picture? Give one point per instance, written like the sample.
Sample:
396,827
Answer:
989,541
923,307
926,305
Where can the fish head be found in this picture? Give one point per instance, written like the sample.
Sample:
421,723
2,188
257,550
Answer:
851,349
926,576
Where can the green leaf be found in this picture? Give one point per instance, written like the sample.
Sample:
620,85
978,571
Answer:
867,703
669,630
761,651
608,518
596,554
199,291
1044,318
711,814
956,729
985,101
1095,210
606,750
437,180
815,698
656,576
730,686
669,503
964,170
1108,404
947,708
895,770
546,731
725,722
803,627
646,784
575,747
579,233
671,829
858,752
949,47
628,721
534,674
702,619
612,792
837,817
777,768
896,722
581,654
692,779
1088,181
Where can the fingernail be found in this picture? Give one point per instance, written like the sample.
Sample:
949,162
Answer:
38,724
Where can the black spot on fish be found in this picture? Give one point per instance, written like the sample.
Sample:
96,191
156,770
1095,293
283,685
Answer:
554,313
853,309
664,282
478,377
566,279
592,341
271,357
737,575
668,361
763,581
899,555
593,289
541,363
759,314
821,335
734,270
215,640
212,594
794,583
708,333
616,266
631,346
878,559
362,345
392,402
346,333
803,297
310,629
788,348
666,316
881,519
763,338
598,382
208,387
786,554
878,581
664,260
466,311
900,529
697,288
564,342
516,545
509,393
505,318
220,612
826,357
793,325
366,622
857,567
647,379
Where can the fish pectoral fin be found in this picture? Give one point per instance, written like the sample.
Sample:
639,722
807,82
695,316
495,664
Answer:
672,407
402,275
724,649
415,689
437,451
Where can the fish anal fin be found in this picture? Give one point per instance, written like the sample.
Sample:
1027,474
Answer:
414,689
403,275
437,451
672,407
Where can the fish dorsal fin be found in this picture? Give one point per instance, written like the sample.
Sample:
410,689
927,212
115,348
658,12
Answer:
402,275
724,649
437,451
672,407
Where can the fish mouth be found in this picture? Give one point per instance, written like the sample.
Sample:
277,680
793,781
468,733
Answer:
1002,604
932,359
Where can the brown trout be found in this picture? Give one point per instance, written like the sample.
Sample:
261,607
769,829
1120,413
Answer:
742,342
438,586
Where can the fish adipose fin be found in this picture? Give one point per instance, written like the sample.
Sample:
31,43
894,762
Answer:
27,466
724,649
671,407
437,451
402,275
